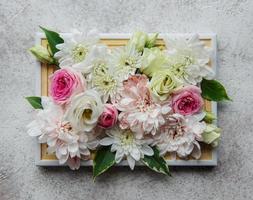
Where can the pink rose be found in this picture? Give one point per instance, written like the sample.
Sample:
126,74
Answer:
109,116
187,101
64,84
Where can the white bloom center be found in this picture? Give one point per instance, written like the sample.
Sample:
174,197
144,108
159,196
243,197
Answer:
131,62
127,139
79,52
176,128
65,127
105,83
179,68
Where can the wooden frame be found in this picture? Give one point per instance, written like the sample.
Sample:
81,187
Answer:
209,155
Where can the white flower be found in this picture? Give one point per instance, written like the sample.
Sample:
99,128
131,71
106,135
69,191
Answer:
125,61
188,59
70,145
180,136
84,110
80,51
105,81
125,144
46,120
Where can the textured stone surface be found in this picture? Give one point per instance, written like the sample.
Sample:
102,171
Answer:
230,19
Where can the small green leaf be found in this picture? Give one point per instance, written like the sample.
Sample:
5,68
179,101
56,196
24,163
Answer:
35,102
53,39
212,90
156,162
103,160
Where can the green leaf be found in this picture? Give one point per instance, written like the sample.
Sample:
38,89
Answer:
35,102
53,39
156,162
103,160
212,90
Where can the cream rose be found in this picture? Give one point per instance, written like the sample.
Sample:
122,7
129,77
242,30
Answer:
84,110
153,60
163,83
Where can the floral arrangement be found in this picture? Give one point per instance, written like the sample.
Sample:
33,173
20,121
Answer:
134,103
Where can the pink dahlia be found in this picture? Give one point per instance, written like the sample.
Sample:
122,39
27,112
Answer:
138,110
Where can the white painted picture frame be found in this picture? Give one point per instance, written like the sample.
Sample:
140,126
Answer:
213,162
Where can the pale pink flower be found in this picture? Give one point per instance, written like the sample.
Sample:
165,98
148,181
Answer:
187,100
68,143
74,163
180,135
109,116
138,110
64,84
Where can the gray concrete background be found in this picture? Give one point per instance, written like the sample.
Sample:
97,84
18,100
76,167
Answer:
232,20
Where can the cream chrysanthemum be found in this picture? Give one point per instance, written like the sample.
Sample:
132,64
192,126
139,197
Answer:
80,51
188,59
125,61
105,81
125,144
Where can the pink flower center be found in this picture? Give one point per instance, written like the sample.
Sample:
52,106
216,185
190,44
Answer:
175,127
187,104
145,104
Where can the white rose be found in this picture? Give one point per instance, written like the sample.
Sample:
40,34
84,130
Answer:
84,110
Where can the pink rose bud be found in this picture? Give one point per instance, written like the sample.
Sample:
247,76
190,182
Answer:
187,101
65,83
109,117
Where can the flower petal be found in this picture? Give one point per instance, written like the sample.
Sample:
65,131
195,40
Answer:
147,150
131,162
119,155
106,141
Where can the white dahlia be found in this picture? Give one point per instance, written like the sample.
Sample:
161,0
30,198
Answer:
125,61
125,144
105,81
188,59
80,51
180,136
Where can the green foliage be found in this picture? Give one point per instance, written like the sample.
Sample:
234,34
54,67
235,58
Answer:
35,102
213,90
53,39
156,162
104,159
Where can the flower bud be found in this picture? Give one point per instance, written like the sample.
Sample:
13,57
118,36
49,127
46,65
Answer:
42,54
211,135
209,117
